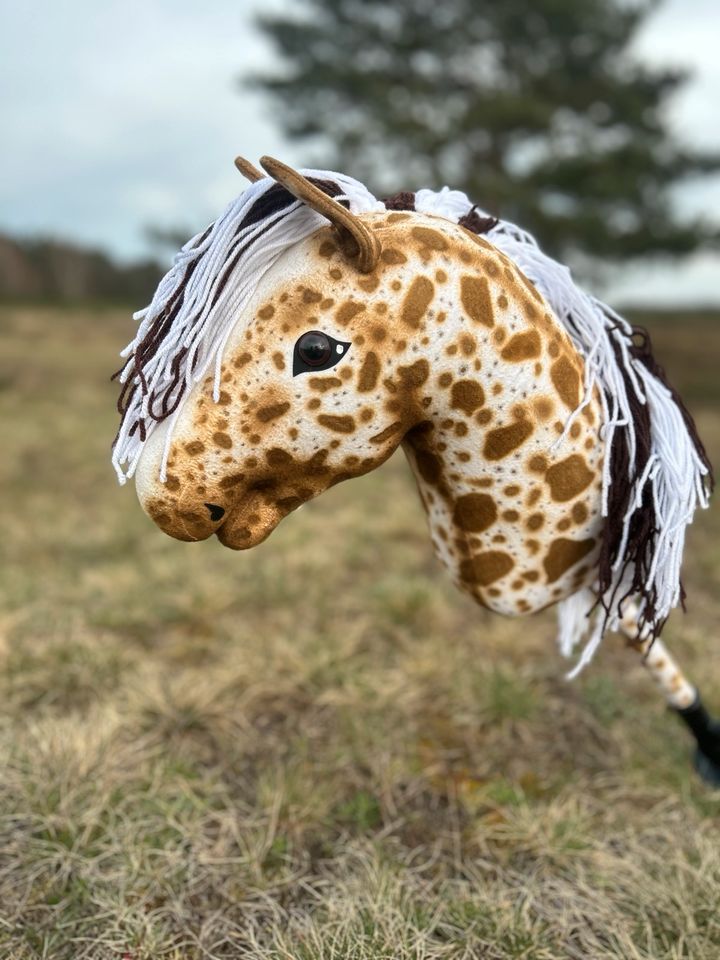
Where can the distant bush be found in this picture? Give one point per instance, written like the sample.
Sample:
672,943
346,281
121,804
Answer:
50,269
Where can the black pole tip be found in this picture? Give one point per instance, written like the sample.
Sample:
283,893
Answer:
707,735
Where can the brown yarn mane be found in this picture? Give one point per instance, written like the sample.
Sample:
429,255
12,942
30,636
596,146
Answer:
643,528
472,220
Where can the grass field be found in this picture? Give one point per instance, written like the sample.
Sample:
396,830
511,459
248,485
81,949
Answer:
318,749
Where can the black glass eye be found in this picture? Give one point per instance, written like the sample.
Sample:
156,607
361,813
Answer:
315,350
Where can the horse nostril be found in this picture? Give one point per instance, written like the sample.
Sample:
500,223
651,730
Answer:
216,512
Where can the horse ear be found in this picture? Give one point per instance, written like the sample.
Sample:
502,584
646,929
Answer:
249,171
357,242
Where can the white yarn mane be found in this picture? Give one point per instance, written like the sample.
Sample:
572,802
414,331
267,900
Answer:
211,296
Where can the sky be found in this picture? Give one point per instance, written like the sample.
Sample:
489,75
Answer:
120,114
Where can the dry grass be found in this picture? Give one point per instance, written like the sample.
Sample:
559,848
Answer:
317,749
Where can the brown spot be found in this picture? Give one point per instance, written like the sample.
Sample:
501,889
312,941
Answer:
530,310
327,249
242,360
232,480
416,301
324,383
369,372
475,512
347,311
485,416
543,407
475,297
415,375
287,504
277,457
314,404
387,432
523,346
485,568
538,464
195,447
368,284
272,411
466,395
531,576
503,440
566,380
430,238
222,440
533,497
535,521
579,513
563,554
343,424
311,296
266,312
172,483
502,301
467,344
429,466
512,490
568,478
278,360
512,516
445,379
390,255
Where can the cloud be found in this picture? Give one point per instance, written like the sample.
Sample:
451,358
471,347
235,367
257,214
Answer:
120,114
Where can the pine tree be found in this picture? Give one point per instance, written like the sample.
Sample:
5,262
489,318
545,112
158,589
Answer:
539,111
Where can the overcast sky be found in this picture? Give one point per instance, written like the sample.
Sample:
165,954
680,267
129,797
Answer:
116,114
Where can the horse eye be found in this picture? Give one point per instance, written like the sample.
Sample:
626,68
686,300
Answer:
315,350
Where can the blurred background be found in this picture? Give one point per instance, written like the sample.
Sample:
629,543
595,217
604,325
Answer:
593,125
320,749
